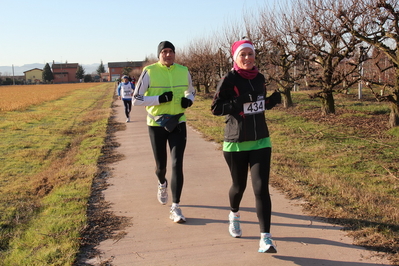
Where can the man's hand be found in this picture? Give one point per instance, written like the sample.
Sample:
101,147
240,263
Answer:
185,102
166,97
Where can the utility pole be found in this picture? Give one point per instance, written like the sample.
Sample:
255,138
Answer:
360,81
361,70
13,78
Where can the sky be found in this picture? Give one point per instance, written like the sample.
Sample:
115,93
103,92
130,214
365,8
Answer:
91,31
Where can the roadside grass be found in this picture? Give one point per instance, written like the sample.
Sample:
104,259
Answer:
343,172
49,154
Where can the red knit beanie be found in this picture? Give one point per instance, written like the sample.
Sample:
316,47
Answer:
238,46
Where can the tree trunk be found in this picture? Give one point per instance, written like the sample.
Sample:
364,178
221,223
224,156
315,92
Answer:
287,99
328,103
394,104
306,82
286,96
207,88
394,116
198,86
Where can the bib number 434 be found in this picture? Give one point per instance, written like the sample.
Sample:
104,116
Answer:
254,107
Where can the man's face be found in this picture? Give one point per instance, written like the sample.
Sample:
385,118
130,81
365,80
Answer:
167,57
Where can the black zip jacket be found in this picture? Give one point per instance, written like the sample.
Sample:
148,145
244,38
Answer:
232,91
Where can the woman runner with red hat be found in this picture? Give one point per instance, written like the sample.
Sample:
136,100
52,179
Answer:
241,97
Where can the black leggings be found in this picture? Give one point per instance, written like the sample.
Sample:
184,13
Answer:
177,143
128,106
259,164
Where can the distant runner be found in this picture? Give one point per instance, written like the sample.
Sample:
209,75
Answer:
125,93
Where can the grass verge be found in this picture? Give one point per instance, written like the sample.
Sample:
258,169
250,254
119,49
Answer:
49,153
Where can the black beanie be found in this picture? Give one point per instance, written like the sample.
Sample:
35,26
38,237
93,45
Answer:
163,45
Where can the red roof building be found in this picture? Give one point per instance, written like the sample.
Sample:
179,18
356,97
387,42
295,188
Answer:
115,69
65,72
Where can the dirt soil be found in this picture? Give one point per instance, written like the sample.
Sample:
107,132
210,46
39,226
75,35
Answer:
102,223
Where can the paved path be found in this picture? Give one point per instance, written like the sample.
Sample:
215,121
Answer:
153,239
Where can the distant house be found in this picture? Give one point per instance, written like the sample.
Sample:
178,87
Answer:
105,77
34,76
65,72
115,68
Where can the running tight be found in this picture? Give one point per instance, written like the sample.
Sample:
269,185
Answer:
128,106
176,139
258,162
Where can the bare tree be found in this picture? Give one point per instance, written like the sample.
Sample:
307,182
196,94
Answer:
253,33
376,22
203,71
135,73
282,57
233,31
185,59
223,64
317,30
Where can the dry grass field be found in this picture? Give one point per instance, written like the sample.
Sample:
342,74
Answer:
19,97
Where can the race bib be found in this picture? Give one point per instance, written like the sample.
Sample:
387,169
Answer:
127,93
252,108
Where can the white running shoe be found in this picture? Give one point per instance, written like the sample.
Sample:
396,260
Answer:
162,194
128,119
176,215
266,245
234,224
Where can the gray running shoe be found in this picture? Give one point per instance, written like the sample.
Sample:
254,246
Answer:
234,224
162,194
176,215
266,245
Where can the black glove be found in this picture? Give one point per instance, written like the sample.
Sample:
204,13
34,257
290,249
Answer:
165,97
185,102
276,97
272,100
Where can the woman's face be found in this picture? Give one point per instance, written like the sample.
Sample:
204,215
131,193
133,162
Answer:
246,58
